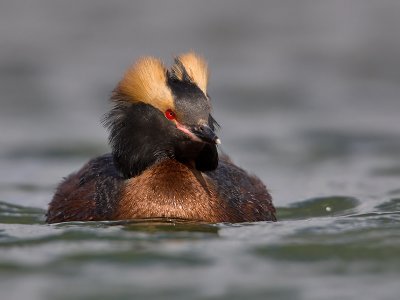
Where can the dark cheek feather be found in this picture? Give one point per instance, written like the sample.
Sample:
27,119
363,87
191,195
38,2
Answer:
207,160
138,137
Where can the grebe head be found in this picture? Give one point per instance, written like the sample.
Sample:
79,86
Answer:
163,114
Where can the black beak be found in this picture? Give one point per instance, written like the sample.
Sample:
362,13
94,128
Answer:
205,133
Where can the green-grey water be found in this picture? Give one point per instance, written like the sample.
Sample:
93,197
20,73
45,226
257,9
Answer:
322,243
307,95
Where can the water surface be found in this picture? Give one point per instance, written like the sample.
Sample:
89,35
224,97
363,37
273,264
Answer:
307,94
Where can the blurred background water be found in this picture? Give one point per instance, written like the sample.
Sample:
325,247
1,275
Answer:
308,96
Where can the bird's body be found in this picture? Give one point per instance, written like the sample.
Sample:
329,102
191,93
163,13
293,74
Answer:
168,189
164,162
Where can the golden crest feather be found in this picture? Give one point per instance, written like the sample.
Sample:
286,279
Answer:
146,81
195,67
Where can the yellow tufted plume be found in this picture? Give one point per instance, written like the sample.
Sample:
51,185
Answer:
195,67
146,81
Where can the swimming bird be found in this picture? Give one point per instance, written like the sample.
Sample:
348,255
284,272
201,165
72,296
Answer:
164,161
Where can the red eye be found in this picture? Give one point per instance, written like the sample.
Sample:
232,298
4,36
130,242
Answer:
170,115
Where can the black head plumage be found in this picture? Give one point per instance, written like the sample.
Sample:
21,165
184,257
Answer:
141,132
